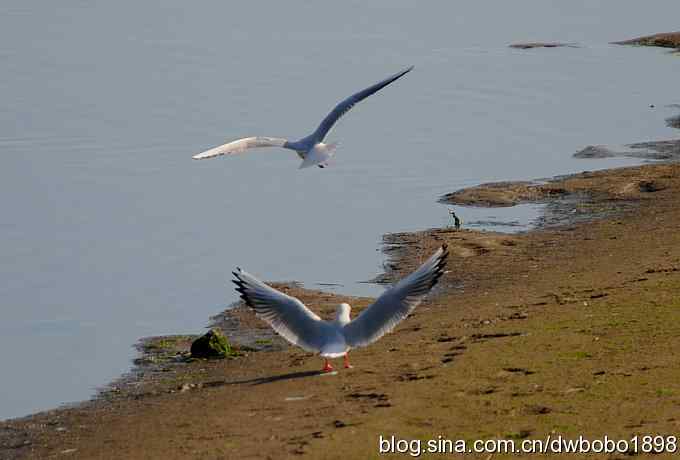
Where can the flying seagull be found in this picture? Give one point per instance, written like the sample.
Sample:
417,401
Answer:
311,149
291,319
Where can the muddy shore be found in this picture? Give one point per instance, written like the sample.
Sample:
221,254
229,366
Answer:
663,40
569,329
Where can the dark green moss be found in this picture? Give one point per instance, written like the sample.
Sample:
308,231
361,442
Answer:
212,345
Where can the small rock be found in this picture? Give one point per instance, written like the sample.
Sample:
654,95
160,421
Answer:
530,45
650,186
211,345
518,370
536,409
574,390
595,151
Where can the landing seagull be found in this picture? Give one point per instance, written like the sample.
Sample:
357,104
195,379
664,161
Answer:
291,319
311,149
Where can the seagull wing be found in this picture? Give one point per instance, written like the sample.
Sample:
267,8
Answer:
396,303
344,106
240,146
285,314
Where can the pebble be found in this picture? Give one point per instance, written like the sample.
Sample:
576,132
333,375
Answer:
186,387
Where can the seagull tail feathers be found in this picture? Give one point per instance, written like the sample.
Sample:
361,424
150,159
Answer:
319,155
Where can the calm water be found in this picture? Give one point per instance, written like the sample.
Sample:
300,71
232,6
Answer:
110,232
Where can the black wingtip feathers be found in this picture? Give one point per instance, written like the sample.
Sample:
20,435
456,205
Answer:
441,265
241,287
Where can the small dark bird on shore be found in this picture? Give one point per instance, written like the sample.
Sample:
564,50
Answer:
456,220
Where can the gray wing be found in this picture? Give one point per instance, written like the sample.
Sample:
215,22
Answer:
285,314
344,106
396,303
241,145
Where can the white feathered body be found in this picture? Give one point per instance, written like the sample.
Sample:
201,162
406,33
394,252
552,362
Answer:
337,346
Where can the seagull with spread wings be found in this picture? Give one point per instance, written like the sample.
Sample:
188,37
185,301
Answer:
291,319
312,149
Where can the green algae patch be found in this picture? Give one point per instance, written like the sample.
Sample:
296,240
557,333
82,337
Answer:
212,345
163,350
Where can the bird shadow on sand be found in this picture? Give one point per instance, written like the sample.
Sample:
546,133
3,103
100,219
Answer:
271,379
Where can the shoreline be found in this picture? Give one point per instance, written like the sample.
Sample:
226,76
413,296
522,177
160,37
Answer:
660,40
165,375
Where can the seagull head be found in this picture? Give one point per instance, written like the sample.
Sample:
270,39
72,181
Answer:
342,313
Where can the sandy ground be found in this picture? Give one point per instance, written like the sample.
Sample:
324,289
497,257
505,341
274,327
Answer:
570,330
